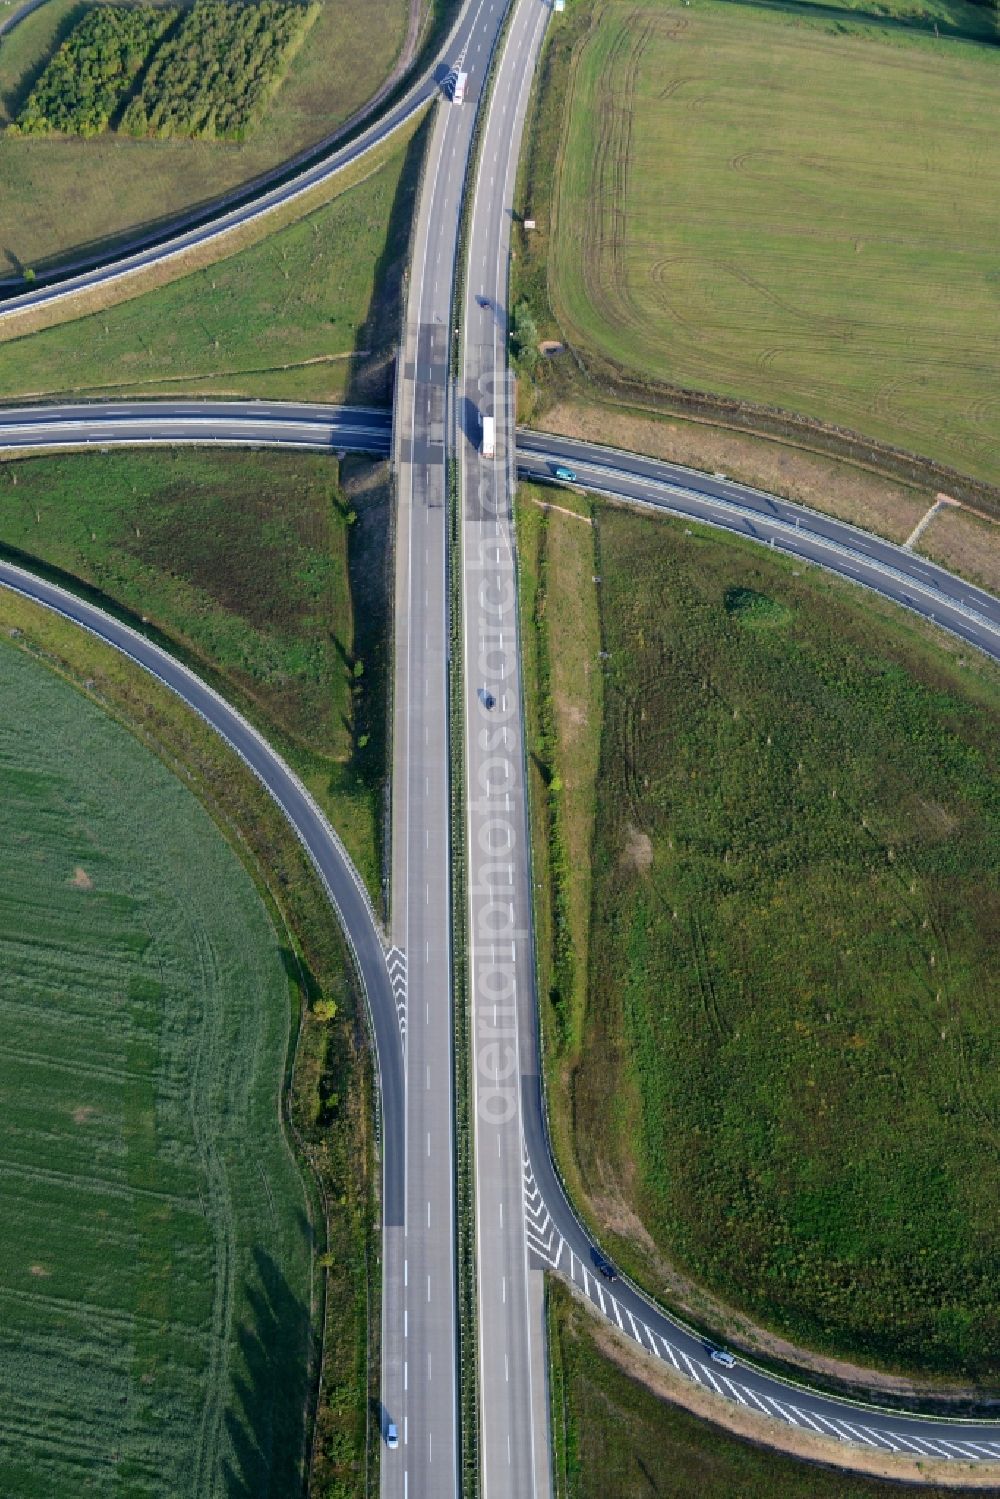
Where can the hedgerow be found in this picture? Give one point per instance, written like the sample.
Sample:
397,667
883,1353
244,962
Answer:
215,74
88,79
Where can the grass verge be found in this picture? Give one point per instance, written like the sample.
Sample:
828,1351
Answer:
269,572
310,312
787,1037
612,1434
330,1123
61,196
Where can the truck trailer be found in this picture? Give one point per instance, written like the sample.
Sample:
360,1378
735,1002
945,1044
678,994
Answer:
489,443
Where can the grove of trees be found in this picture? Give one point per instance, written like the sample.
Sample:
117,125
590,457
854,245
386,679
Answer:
152,71
89,77
214,74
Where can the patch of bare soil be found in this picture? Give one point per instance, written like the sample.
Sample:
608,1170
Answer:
81,879
550,347
39,1271
767,1432
83,1113
638,851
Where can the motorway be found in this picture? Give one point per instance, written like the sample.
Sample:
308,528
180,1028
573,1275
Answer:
513,1371
421,1348
415,1172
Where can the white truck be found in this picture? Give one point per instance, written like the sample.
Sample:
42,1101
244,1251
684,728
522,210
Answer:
458,96
488,447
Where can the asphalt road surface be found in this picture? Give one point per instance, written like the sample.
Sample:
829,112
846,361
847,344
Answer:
208,423
513,1374
420,1320
554,1237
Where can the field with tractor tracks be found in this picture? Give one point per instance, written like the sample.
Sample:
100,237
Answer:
155,1244
792,205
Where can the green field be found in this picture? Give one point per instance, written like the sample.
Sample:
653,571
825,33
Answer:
253,565
790,206
311,312
60,196
155,1245
773,1054
614,1437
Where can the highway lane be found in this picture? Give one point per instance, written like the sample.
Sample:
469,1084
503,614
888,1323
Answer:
421,1366
243,423
513,1374
908,579
471,35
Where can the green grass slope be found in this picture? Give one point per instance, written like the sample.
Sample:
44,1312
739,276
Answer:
787,1064
309,313
792,206
154,1244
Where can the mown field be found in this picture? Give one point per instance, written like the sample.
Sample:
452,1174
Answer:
772,1057
792,206
155,1244
613,1436
60,196
310,312
269,570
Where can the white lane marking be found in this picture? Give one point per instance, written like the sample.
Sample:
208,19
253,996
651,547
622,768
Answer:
671,1355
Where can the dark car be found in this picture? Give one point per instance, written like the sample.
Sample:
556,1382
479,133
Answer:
604,1267
486,698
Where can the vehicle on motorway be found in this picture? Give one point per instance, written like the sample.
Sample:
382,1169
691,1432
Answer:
482,301
458,93
722,1356
605,1268
487,699
488,446
391,1436
568,475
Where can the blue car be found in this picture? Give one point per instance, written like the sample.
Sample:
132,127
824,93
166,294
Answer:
566,474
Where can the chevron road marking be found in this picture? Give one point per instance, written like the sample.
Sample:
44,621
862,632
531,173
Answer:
395,962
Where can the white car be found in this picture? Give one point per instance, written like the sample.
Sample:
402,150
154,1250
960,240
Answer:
724,1357
391,1436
